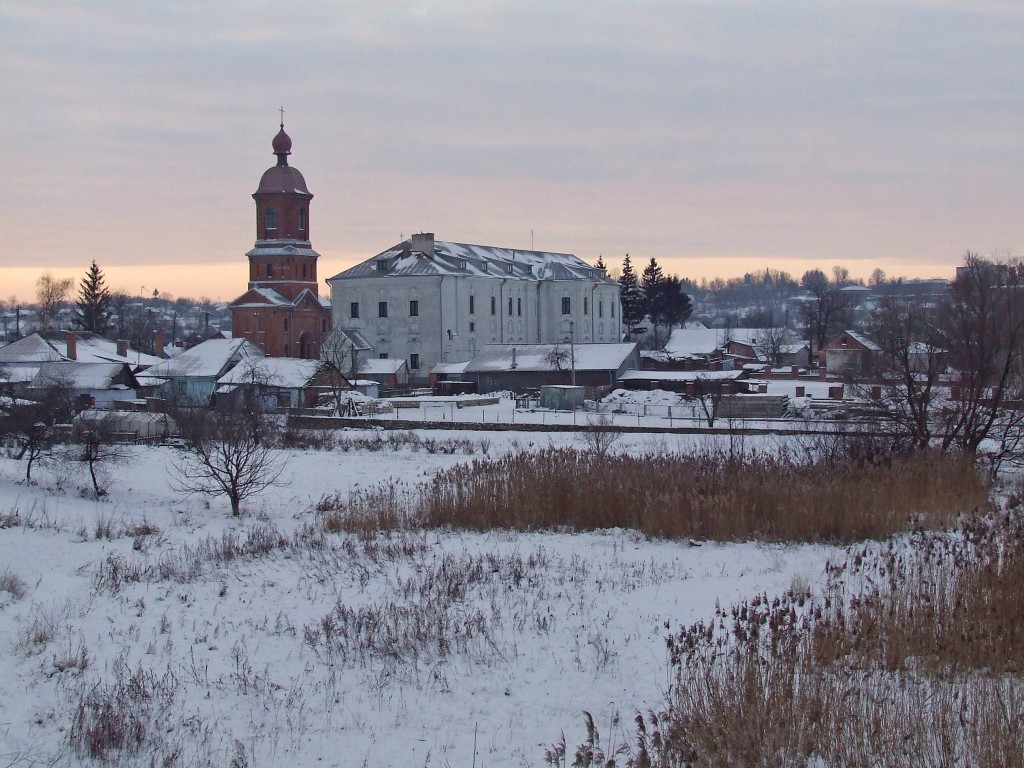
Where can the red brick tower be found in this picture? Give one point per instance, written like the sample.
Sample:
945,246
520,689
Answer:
282,311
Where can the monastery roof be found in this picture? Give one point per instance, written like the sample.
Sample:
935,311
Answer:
475,261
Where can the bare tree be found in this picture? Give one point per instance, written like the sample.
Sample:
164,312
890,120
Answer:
228,456
51,293
984,326
827,309
771,342
29,426
709,393
909,368
96,444
338,351
600,433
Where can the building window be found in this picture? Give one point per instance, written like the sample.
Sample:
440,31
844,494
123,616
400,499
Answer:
382,309
472,327
302,219
270,270
509,268
494,306
566,305
323,325
519,307
462,263
510,306
353,310
586,306
600,308
472,304
612,304
383,355
271,218
382,265
414,308
286,325
414,361
303,270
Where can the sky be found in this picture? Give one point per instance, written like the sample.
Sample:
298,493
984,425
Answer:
718,137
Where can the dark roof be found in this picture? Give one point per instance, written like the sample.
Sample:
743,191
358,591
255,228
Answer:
282,178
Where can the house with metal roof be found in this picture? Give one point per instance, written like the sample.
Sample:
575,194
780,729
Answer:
428,301
192,376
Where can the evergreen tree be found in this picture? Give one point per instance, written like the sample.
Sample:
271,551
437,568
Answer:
649,280
600,262
93,302
631,298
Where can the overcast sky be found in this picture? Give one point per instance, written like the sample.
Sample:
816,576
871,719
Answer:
716,136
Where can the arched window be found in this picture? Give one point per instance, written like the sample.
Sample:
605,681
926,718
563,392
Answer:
270,270
271,218
302,219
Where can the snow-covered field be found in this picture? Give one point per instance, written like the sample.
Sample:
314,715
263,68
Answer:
259,641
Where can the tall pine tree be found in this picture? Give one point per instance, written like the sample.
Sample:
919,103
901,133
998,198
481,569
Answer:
634,307
600,262
93,303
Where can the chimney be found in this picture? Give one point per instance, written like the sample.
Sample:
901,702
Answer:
823,373
122,348
801,391
794,371
423,243
836,393
72,347
158,343
768,370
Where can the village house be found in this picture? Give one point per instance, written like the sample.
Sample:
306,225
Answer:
191,377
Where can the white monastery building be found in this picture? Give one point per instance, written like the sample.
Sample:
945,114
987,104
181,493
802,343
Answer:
428,301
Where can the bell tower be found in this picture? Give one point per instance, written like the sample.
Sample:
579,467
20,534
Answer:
282,311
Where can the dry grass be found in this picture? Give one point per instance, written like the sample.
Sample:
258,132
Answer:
709,496
919,666
12,584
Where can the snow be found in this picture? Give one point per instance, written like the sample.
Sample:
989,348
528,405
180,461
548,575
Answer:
541,357
206,360
583,627
286,372
381,366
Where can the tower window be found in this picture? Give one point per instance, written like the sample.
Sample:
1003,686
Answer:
302,219
286,324
303,270
414,361
270,270
271,218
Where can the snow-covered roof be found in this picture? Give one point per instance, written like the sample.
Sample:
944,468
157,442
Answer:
210,359
860,339
381,366
550,357
450,258
694,341
355,337
450,368
680,375
52,346
284,372
97,376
